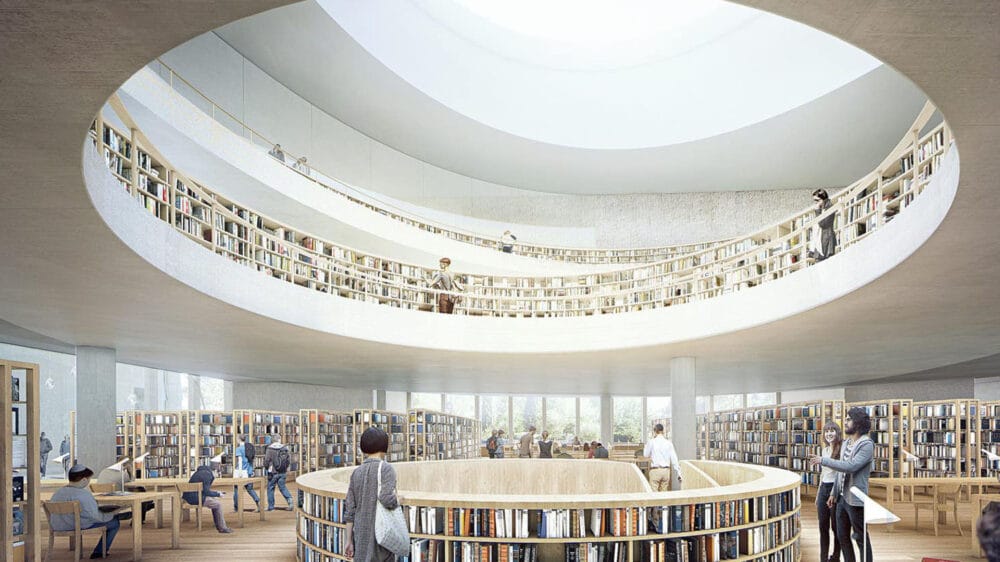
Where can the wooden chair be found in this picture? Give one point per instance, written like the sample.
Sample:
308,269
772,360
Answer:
76,535
195,487
943,495
98,488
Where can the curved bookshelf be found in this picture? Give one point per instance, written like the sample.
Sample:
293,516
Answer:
492,510
243,235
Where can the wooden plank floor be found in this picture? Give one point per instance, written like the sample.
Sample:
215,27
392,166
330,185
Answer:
274,539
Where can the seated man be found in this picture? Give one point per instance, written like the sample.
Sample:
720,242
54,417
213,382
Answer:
205,475
90,516
601,452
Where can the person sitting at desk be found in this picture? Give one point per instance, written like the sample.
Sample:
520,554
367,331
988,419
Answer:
205,475
90,514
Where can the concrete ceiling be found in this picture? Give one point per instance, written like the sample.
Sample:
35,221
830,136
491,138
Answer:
830,141
64,275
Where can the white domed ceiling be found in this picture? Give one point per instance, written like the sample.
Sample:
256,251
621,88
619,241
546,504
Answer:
588,96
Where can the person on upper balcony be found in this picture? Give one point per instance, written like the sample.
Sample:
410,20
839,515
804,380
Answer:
301,166
507,242
277,153
827,238
444,281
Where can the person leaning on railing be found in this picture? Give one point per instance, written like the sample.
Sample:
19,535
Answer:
277,153
507,242
827,238
443,280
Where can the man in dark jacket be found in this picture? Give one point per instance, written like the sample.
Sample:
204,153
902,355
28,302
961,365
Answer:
45,447
205,475
276,462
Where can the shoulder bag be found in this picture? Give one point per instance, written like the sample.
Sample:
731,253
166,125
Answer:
390,524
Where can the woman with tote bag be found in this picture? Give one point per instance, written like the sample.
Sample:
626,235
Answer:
373,486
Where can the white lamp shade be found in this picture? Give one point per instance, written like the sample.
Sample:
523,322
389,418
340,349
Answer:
140,458
217,458
875,514
118,465
61,458
993,457
909,456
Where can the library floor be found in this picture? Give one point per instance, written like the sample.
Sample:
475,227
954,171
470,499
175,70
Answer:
274,539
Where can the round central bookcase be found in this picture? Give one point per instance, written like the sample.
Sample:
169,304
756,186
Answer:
524,510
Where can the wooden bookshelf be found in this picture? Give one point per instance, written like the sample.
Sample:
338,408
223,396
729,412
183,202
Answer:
437,436
725,434
701,436
262,427
249,237
500,511
327,439
764,436
20,516
946,438
989,424
393,423
805,439
120,439
211,435
891,432
164,436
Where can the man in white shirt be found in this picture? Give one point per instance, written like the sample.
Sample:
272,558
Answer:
662,457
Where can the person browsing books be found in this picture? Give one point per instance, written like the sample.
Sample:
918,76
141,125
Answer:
853,469
662,460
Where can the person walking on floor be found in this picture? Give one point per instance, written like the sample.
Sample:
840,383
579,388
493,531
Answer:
526,440
277,461
662,460
245,454
205,475
853,469
44,450
362,494
831,450
64,453
91,516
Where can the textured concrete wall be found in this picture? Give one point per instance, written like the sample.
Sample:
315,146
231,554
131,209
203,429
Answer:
95,416
639,219
289,397
918,391
987,388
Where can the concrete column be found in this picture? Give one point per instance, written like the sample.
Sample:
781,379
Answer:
96,382
607,420
683,390
380,400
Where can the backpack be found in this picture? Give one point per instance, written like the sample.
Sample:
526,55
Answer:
282,461
249,452
491,444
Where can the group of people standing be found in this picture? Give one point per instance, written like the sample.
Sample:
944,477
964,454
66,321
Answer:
546,446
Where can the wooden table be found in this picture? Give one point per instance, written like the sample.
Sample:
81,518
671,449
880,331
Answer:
890,485
977,505
134,501
226,482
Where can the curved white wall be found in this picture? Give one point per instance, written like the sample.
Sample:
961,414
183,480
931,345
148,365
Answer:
242,287
606,221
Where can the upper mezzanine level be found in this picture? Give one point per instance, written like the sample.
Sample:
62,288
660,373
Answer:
704,271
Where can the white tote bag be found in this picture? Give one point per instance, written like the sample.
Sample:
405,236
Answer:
390,525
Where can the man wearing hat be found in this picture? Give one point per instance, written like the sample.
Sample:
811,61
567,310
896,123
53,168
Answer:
443,280
90,515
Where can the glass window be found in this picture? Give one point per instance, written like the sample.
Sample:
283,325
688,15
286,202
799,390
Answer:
761,399
627,419
425,401
213,394
493,414
590,418
460,405
725,402
395,401
701,404
527,412
560,418
658,410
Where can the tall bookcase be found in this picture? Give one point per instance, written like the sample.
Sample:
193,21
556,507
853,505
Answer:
393,423
764,436
989,424
211,434
805,424
20,518
891,432
724,431
164,436
327,439
701,436
121,440
262,427
438,436
946,438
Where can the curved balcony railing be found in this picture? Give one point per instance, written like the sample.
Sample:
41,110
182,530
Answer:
594,256
250,238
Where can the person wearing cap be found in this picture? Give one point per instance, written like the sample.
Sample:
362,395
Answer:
91,516
444,281
205,475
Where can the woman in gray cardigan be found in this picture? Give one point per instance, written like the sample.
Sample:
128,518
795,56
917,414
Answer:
359,512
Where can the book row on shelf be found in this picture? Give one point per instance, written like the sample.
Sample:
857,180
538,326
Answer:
19,454
755,526
246,236
944,437
177,443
